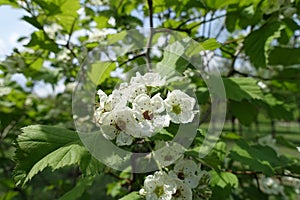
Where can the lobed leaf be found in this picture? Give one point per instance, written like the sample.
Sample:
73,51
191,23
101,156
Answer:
41,146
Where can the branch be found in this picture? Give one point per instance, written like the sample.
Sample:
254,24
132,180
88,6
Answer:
195,18
131,59
148,45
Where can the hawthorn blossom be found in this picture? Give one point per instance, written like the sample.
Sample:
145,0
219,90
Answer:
180,106
120,124
159,186
107,104
150,110
188,172
149,80
183,191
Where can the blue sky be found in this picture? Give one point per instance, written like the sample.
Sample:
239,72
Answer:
12,28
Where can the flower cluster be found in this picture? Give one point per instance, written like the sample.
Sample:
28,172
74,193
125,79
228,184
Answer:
135,110
271,186
177,184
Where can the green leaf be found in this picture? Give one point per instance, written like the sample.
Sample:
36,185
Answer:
217,4
113,38
223,179
68,15
244,111
132,196
39,40
242,88
78,190
284,56
9,2
33,22
259,158
210,44
41,146
257,43
100,71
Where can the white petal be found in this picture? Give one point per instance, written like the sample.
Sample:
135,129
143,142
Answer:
157,104
109,132
142,102
186,117
124,139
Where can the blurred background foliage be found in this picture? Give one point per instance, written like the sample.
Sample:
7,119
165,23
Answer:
256,49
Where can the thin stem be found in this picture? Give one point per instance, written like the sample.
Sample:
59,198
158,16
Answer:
149,42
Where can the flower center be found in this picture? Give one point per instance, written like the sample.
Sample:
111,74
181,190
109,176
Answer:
159,191
177,193
148,116
180,175
176,109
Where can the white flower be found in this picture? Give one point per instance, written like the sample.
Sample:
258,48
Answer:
112,21
159,186
64,55
150,110
114,100
97,35
268,141
120,124
149,79
298,148
183,191
4,91
188,172
270,186
131,91
52,30
168,154
107,104
134,91
180,106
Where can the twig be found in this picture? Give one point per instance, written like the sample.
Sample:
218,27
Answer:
148,45
131,59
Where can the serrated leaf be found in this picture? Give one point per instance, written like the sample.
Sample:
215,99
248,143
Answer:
259,158
242,88
41,146
257,43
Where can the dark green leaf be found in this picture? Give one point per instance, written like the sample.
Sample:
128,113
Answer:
284,56
41,146
257,43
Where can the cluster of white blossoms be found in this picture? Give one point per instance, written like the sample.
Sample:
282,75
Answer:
270,185
135,110
177,184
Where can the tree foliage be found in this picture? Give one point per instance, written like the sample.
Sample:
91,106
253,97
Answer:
254,44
